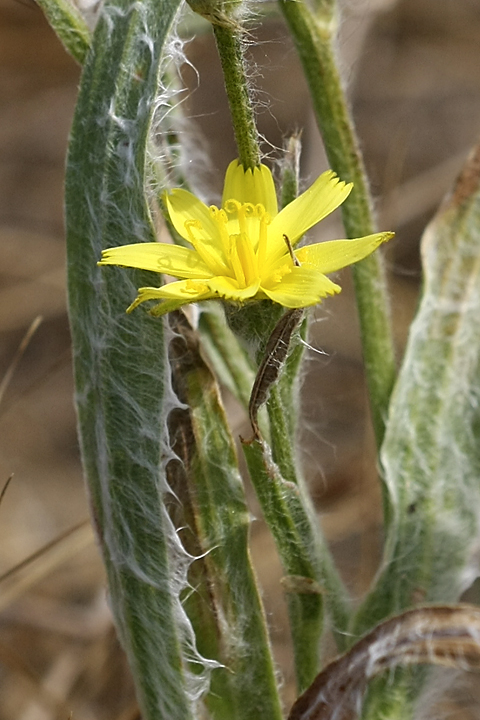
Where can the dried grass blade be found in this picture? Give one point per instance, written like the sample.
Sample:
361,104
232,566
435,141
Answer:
18,355
34,568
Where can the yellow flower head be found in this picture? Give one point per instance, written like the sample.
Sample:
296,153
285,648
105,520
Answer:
244,250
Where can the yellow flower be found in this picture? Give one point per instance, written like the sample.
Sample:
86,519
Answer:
244,250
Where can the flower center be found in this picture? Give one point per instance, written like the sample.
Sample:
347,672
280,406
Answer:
243,232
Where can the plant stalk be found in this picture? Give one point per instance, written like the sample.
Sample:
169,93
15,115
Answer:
231,53
313,36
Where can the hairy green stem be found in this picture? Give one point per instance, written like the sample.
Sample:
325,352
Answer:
393,697
305,559
313,36
282,430
230,360
222,523
230,50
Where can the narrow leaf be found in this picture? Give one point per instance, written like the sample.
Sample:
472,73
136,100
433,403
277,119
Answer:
431,454
69,25
121,376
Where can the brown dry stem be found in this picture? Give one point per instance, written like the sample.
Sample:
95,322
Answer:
446,635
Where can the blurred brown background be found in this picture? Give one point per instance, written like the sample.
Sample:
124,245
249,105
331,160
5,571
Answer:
413,72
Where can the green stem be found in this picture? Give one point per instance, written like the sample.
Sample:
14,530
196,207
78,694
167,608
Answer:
392,697
304,557
313,36
222,520
283,439
230,360
230,50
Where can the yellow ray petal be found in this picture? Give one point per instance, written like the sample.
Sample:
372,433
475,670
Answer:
321,198
188,290
333,255
183,205
250,186
165,307
301,287
162,308
228,288
193,220
183,291
158,257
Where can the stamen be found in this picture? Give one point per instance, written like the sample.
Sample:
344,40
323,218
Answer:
236,262
265,220
220,217
246,239
247,258
231,206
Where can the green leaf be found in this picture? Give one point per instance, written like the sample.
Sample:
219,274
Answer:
121,375
431,453
68,23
